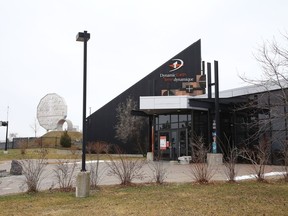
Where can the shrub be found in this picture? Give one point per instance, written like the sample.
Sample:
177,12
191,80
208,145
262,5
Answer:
96,171
200,170
230,164
65,140
158,170
64,173
125,169
23,147
259,157
33,171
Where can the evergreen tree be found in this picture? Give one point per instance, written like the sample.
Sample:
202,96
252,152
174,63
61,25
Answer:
65,140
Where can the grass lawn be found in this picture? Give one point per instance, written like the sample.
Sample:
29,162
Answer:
15,154
246,198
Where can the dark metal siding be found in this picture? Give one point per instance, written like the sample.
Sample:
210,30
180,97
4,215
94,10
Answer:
101,124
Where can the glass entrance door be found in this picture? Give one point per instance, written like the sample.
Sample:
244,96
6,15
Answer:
164,143
183,142
173,143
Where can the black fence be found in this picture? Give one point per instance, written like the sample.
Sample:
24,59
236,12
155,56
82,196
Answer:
34,142
9,145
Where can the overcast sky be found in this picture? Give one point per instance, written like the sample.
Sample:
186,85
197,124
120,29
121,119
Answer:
129,39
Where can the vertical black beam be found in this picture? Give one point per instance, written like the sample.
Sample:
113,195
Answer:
203,74
285,119
84,126
217,112
150,127
234,143
6,142
154,87
203,67
186,141
209,86
209,79
192,133
153,136
270,128
209,126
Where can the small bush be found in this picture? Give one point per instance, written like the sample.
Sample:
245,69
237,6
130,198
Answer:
33,171
259,157
96,171
230,164
159,172
200,170
64,173
23,147
125,169
65,140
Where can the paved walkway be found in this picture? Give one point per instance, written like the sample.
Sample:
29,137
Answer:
175,173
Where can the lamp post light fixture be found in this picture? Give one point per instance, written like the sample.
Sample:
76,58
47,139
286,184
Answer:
83,178
84,37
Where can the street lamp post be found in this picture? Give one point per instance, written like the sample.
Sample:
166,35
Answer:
5,123
84,37
6,142
83,178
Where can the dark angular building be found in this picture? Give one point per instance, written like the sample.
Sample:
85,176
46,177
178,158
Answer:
173,99
174,77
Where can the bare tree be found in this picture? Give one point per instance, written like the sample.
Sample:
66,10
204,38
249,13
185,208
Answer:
129,127
200,149
12,136
269,110
230,163
259,157
35,127
124,168
285,160
64,173
231,154
33,170
158,170
23,147
96,171
200,170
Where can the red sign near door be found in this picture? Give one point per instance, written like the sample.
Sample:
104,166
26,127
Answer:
163,142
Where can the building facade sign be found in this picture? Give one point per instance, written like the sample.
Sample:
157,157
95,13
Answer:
163,142
182,75
174,72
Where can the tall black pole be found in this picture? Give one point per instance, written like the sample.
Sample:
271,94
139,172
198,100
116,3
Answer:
209,79
84,131
210,126
84,37
217,114
6,142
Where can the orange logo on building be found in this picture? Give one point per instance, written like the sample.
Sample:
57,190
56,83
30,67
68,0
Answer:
177,64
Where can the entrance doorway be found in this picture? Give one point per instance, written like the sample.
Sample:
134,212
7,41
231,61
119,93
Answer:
173,143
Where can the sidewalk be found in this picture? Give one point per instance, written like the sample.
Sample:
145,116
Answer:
175,173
